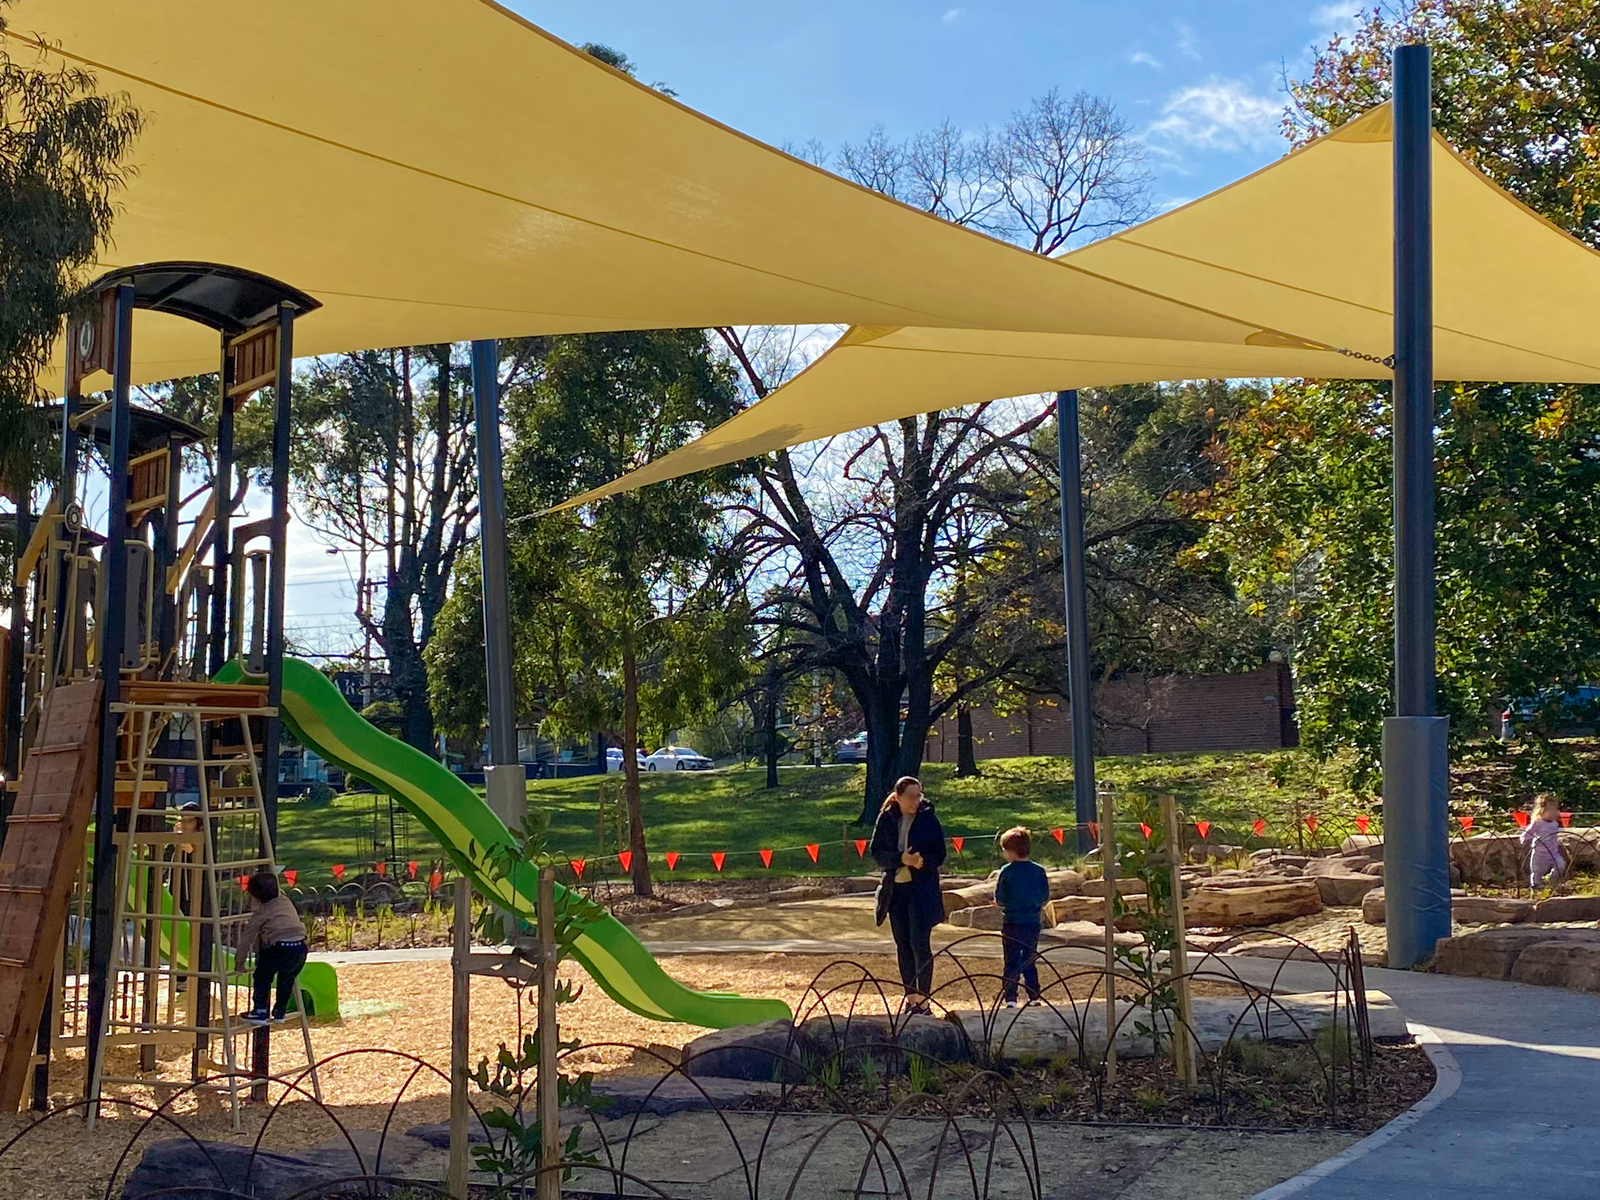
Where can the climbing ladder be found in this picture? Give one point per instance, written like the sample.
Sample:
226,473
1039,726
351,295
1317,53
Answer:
176,974
38,863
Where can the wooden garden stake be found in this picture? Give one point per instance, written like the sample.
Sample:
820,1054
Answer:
1108,867
460,1010
548,1098
1178,966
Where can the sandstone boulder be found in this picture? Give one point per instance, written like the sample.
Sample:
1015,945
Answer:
1493,953
1567,908
1064,882
1372,910
1128,886
1488,857
887,1040
1574,965
1362,843
799,892
1263,904
1490,910
1374,869
1581,845
1344,889
1343,864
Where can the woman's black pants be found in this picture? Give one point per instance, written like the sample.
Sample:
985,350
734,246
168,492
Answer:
912,931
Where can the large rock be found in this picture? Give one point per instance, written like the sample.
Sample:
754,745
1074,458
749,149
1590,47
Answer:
967,897
1567,908
1093,908
1490,910
861,883
769,1050
1574,965
799,892
1362,843
887,1040
1085,935
1342,864
196,1170
1581,845
665,1095
1373,868
1488,857
1372,909
1264,904
1064,881
1493,953
1128,885
1345,888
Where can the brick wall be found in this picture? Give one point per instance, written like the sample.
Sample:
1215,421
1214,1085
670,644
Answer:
1142,714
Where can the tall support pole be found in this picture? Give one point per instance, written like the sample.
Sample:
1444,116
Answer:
1415,748
112,629
505,782
546,1089
460,1020
1079,701
11,752
278,537
222,517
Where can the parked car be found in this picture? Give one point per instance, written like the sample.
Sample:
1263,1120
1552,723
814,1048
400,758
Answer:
614,758
677,758
852,749
1566,709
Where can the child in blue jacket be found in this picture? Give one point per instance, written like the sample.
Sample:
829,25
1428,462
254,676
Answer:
1022,892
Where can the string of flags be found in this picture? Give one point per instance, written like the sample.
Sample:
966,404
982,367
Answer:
624,858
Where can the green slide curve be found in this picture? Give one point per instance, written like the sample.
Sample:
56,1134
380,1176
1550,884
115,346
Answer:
319,717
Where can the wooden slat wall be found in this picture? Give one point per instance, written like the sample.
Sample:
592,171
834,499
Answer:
44,843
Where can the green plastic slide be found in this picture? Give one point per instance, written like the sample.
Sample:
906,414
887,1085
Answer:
469,830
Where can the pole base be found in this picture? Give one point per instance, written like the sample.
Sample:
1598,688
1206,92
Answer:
505,787
1416,836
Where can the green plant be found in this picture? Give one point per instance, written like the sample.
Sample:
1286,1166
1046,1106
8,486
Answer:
1149,1099
1146,858
318,793
867,1069
924,1074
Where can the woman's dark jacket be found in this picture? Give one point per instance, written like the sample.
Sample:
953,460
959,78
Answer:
927,839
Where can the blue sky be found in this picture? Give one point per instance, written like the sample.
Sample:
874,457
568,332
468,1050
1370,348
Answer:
1199,80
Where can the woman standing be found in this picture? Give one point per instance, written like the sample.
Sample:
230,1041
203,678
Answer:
908,843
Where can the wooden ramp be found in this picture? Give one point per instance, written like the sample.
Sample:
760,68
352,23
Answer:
38,863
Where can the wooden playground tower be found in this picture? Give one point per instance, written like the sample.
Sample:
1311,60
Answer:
138,794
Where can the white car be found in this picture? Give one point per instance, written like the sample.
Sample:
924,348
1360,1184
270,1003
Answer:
677,758
614,758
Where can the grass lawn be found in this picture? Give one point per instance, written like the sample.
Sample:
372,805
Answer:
697,813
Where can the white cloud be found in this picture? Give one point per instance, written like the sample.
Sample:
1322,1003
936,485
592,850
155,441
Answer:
1187,42
1220,114
1142,58
1340,17
953,14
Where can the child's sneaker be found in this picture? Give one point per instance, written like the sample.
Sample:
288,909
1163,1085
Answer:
1011,1003
255,1014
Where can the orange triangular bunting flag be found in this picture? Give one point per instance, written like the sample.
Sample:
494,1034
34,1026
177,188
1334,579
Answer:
813,849
1201,827
958,842
766,858
861,847
1060,836
625,857
577,866
672,860
716,858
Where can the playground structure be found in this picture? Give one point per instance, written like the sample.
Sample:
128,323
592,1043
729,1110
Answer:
121,891
140,799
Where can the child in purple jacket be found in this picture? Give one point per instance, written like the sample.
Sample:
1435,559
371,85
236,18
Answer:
1543,834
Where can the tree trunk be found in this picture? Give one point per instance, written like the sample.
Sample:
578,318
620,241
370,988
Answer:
966,756
883,754
772,733
640,867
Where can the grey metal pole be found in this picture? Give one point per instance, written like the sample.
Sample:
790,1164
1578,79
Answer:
112,631
1079,700
222,515
505,782
1415,741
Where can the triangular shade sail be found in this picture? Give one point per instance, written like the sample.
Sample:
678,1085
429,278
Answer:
1304,246
438,170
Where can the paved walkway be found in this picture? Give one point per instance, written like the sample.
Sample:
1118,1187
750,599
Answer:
1522,1119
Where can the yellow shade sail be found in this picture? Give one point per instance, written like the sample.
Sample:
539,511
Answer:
1303,246
438,170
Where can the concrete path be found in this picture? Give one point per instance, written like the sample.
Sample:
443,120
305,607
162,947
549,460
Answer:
1517,1111
1524,1119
